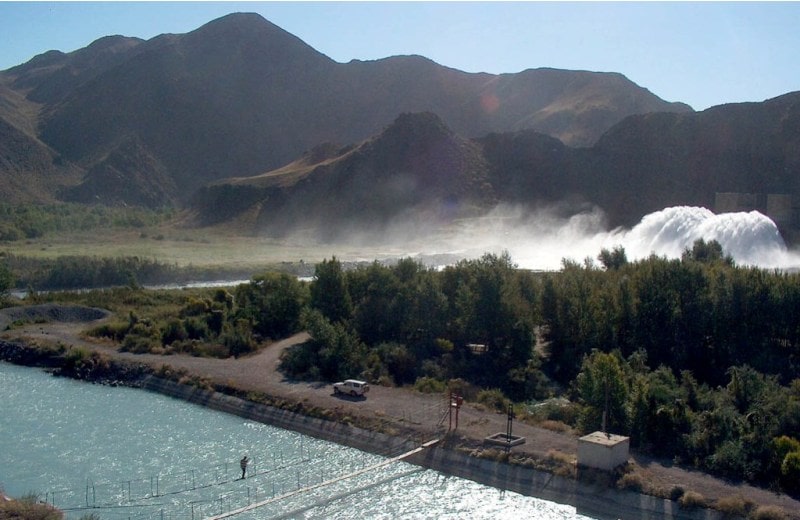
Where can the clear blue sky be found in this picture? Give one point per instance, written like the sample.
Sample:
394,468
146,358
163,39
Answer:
703,54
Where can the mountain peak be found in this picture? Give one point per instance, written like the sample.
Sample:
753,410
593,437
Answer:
254,35
417,126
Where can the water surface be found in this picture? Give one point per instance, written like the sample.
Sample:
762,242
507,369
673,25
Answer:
123,453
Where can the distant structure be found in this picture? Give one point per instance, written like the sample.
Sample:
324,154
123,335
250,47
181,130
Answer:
778,207
604,451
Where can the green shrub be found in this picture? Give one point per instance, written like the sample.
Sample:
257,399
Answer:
790,472
238,338
196,328
494,399
76,356
139,344
429,385
113,330
173,331
560,410
298,360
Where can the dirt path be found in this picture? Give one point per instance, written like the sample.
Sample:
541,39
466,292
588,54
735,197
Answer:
424,412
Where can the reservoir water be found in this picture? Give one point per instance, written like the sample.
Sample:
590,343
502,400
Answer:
123,453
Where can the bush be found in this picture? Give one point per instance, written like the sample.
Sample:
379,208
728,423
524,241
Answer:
790,472
631,481
429,385
173,331
139,344
114,330
769,513
691,500
494,399
676,493
733,506
238,338
297,361
28,508
559,410
196,328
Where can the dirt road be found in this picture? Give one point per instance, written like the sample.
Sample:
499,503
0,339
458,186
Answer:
259,373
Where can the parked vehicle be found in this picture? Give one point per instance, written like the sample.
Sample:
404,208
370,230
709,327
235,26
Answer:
352,387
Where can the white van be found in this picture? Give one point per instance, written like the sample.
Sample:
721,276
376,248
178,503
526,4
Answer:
351,387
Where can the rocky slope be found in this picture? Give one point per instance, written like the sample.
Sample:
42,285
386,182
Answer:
422,173
148,122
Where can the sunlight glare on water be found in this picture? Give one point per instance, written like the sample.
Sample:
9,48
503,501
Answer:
132,454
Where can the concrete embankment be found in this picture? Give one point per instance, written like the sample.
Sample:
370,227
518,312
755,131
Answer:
592,500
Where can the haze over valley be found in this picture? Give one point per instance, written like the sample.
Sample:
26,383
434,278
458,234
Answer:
242,129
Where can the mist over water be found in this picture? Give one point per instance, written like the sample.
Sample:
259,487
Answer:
542,239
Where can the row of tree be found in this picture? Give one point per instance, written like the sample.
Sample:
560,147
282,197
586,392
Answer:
699,313
24,221
742,430
706,354
694,358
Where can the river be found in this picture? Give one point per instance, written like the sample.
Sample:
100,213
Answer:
123,453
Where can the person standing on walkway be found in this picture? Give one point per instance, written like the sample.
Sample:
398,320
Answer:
243,465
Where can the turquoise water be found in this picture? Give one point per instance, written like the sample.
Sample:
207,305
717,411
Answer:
122,453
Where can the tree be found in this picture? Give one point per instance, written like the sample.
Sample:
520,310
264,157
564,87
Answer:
706,252
329,292
613,260
602,389
6,280
273,303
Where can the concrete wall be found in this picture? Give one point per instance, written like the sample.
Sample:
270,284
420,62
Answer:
601,451
595,501
779,208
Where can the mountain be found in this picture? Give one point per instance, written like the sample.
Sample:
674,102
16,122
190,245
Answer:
647,162
420,172
148,122
416,169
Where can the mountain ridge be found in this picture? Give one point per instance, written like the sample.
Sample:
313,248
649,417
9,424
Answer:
241,117
239,96
643,164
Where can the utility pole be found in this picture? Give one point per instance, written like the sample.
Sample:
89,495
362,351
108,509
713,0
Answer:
455,404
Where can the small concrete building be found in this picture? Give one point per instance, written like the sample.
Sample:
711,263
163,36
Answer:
603,451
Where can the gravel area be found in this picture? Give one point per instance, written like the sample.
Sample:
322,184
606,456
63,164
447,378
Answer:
50,312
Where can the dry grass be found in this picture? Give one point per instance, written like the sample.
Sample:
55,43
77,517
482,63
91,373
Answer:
769,513
631,481
181,247
555,426
204,248
733,506
27,508
560,457
692,500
